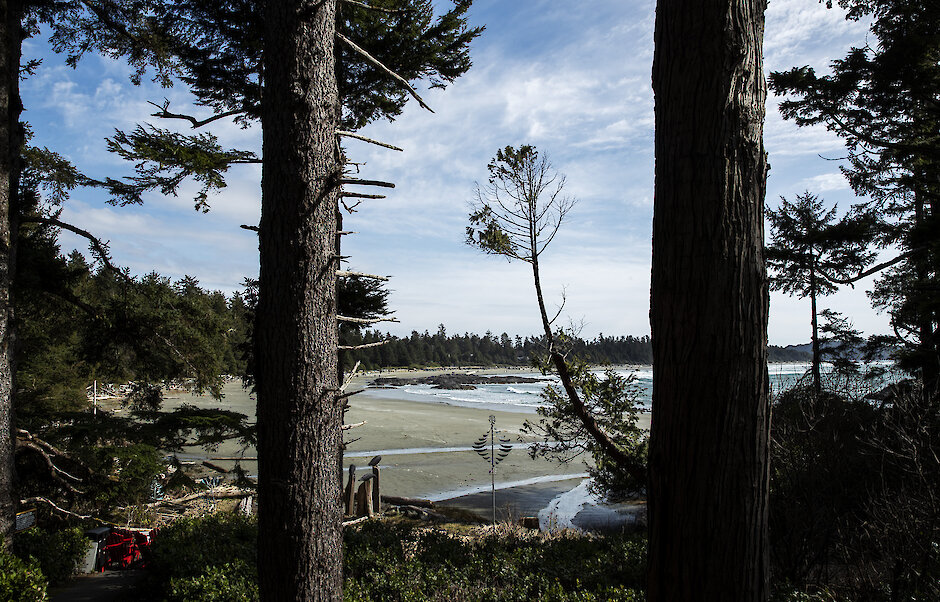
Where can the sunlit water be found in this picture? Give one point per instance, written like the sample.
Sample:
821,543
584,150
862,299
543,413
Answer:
527,397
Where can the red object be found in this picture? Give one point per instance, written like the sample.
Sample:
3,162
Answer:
124,549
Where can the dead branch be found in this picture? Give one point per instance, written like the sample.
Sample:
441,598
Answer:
350,209
365,345
360,195
355,425
391,11
378,64
346,274
369,140
54,470
358,182
356,521
345,232
197,123
246,227
42,500
350,377
364,320
350,394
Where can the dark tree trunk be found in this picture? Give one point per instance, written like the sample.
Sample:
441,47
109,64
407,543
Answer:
299,417
709,301
10,138
817,377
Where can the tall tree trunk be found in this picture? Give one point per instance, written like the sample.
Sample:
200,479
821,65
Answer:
709,301
817,378
299,417
10,139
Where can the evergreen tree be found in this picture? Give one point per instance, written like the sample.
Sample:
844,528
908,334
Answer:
808,248
882,99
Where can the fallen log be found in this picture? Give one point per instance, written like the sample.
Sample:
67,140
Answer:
215,467
407,501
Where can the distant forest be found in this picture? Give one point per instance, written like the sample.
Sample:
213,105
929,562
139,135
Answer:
442,349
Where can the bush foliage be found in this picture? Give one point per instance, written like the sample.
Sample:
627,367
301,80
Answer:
20,580
56,552
213,559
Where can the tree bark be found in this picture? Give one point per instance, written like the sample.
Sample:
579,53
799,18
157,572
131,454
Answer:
299,417
10,139
709,301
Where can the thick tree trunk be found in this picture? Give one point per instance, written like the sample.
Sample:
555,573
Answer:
10,39
299,417
709,302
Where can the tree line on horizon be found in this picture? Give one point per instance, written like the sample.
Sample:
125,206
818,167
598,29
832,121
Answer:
423,349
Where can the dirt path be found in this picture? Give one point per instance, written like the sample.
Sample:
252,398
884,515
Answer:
109,586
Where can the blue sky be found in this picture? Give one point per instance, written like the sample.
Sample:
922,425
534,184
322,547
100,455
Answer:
571,78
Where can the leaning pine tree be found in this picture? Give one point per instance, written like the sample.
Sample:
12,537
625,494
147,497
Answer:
708,473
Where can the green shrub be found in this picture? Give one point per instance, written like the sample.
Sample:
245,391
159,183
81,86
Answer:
230,582
189,545
20,580
57,552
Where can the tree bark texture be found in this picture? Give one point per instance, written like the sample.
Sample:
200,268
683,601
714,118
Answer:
10,39
709,301
299,416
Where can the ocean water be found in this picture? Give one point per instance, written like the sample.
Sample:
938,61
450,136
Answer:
527,397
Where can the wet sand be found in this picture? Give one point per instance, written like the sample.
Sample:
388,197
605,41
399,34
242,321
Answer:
417,443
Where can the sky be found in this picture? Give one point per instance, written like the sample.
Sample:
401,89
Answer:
573,79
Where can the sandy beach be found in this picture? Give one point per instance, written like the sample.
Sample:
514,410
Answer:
425,448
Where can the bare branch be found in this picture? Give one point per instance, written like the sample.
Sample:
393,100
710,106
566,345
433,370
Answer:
355,425
364,320
365,139
360,195
378,64
349,378
42,500
391,11
365,346
358,182
252,228
54,470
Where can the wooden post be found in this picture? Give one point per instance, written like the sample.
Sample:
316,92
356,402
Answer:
376,494
351,491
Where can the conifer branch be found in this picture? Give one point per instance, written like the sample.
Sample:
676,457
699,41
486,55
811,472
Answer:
100,249
869,271
197,123
369,140
247,227
378,64
354,425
